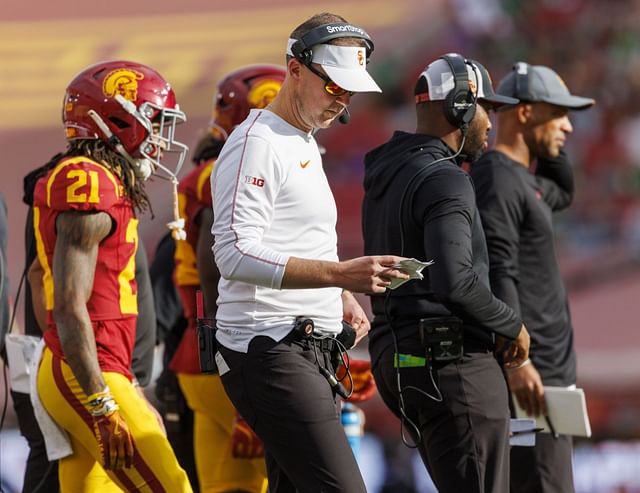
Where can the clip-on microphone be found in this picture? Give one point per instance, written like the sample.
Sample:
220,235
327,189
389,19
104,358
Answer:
344,116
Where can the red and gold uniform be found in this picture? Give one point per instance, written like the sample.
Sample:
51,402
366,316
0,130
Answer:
81,184
214,414
194,194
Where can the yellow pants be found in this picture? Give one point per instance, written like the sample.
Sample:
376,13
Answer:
155,468
218,470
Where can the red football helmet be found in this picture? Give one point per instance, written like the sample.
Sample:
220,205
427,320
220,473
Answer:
253,86
130,107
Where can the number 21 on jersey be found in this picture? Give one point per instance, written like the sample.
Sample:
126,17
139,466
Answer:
81,178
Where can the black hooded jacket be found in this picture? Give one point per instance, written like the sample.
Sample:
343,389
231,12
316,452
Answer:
440,222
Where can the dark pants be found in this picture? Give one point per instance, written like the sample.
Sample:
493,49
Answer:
545,468
40,476
277,389
464,440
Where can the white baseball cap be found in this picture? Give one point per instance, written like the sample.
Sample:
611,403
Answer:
344,65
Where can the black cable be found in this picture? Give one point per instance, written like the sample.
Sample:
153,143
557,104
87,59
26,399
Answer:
463,129
335,384
342,351
438,398
404,418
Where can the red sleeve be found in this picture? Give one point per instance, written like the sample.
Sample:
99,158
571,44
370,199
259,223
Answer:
204,185
83,185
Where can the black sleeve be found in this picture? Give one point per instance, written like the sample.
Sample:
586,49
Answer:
555,179
448,209
500,205
142,362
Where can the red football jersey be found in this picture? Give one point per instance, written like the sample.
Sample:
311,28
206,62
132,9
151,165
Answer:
194,194
81,184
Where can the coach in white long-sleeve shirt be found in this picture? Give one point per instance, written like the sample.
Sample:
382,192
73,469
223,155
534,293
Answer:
277,205
276,249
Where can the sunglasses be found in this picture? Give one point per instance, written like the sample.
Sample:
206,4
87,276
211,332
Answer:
330,87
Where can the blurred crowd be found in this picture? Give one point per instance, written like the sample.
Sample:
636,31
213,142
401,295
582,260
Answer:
594,46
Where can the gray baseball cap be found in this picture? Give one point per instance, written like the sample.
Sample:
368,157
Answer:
537,83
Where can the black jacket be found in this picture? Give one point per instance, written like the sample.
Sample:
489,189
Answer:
516,208
440,223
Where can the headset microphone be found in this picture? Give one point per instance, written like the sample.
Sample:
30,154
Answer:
344,117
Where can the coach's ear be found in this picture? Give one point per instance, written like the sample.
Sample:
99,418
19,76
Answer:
294,68
524,112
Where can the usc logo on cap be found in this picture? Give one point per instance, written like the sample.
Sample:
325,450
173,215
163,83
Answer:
122,81
361,57
263,93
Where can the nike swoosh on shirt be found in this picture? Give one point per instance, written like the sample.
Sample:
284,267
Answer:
305,164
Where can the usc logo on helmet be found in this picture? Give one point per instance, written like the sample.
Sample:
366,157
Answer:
122,81
263,93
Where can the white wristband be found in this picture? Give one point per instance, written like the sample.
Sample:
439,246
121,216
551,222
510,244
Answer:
513,368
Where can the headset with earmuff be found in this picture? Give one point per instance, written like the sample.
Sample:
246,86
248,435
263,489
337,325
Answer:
460,103
521,70
302,49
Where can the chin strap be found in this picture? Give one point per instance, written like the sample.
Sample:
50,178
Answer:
177,225
112,139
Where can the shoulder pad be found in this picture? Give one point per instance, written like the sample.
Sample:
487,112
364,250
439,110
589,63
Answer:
80,183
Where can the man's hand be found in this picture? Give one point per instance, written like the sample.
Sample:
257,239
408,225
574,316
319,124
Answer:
526,384
364,385
518,352
245,444
370,274
111,431
354,315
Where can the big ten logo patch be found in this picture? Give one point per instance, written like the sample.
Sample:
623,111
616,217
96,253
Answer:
252,180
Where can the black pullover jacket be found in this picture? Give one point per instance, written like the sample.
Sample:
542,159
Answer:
516,207
440,223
